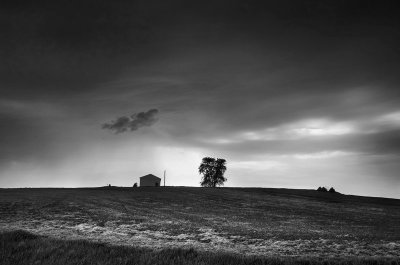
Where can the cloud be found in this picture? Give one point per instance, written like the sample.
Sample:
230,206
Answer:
132,123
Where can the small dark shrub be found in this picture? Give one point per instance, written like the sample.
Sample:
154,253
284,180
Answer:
135,185
332,190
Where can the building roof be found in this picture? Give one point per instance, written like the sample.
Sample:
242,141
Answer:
151,176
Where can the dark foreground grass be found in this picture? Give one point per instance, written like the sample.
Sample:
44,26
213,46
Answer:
21,247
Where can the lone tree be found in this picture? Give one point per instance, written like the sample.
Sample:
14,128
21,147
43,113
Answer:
213,172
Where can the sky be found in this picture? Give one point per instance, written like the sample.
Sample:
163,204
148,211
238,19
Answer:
293,94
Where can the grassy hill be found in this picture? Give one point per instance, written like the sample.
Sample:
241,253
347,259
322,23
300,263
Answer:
245,221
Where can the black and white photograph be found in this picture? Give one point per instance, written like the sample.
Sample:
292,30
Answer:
213,132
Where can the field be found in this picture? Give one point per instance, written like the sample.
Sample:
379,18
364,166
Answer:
243,222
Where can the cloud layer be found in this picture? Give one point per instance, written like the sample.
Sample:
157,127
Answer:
132,123
272,86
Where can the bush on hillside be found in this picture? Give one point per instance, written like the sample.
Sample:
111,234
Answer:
323,189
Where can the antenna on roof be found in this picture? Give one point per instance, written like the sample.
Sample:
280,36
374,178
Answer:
164,177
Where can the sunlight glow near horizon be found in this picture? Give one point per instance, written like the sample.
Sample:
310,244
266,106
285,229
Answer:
280,171
121,159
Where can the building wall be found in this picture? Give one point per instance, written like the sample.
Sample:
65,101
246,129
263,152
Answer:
148,182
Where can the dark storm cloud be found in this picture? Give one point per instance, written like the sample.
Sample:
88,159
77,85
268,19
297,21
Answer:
132,123
70,43
68,46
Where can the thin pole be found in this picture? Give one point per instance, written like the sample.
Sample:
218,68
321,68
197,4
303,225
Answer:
164,178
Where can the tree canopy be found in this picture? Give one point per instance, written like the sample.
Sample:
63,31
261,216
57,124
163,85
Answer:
213,172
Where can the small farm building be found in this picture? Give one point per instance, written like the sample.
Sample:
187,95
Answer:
150,181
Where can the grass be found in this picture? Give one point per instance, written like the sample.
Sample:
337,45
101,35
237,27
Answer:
20,247
235,221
